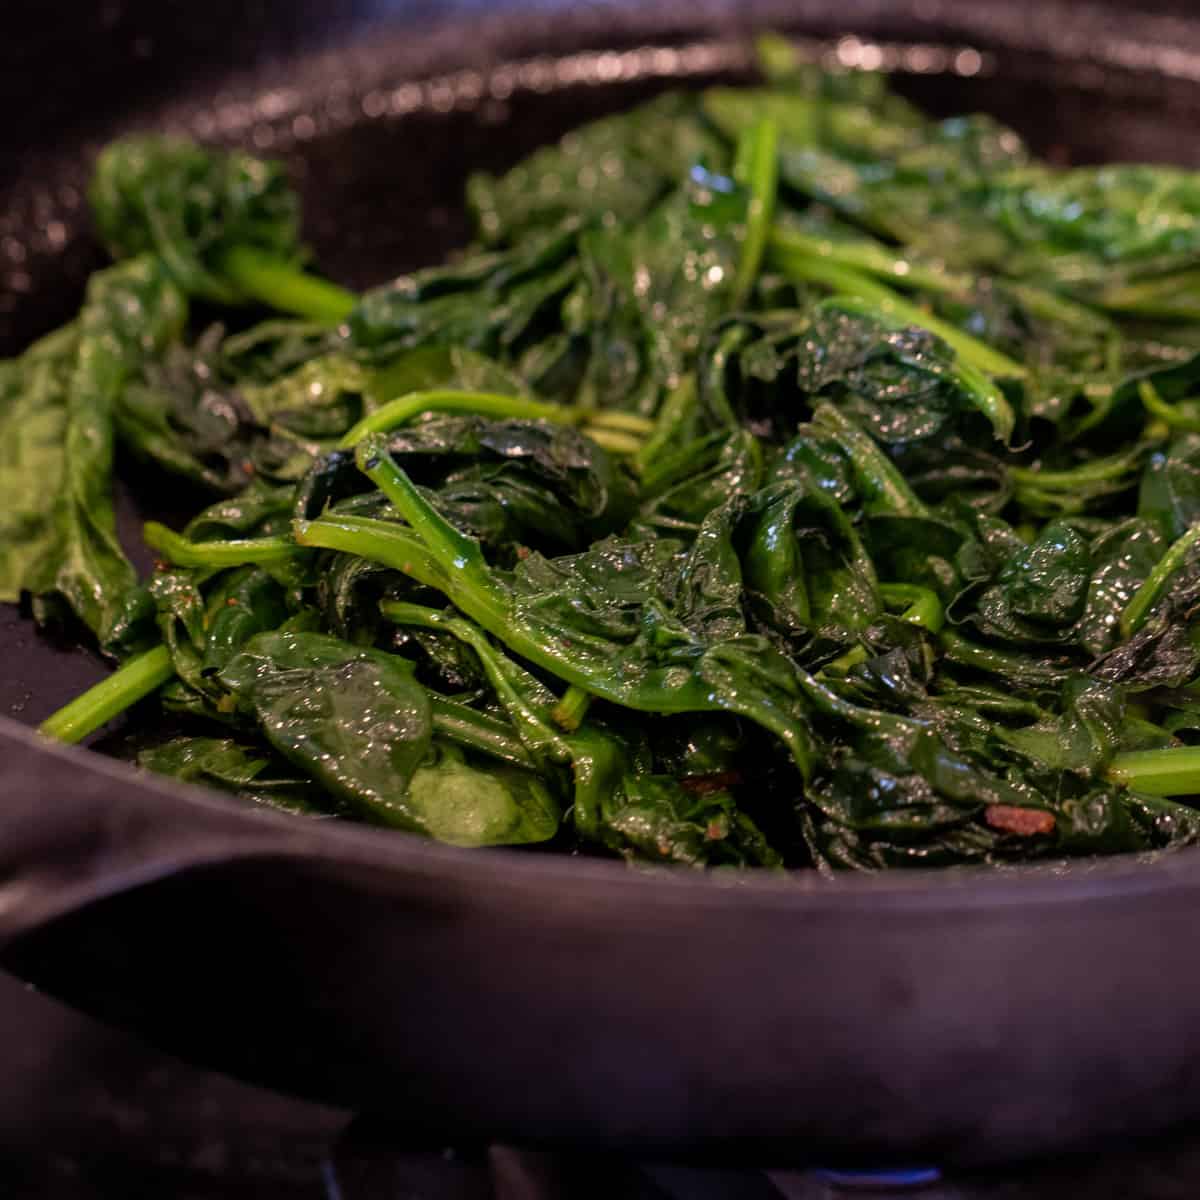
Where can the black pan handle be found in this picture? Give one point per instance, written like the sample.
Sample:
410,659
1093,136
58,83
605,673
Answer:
76,828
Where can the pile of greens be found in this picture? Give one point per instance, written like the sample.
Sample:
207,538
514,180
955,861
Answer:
784,478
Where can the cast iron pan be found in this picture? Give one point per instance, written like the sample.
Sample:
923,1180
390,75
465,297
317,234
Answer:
520,996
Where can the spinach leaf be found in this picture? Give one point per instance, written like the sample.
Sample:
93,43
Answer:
59,536
190,206
356,721
611,171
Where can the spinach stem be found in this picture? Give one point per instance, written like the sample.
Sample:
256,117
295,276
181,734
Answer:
849,283
616,431
482,594
844,663
233,553
757,168
285,287
1170,414
572,708
1147,596
1166,296
141,675
490,404
616,443
624,422
672,415
1096,471
477,731
1171,772
383,542
872,257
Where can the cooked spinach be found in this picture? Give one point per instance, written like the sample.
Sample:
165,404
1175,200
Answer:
784,478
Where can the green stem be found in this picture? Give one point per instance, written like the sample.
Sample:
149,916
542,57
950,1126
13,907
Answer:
923,606
98,705
1172,772
1096,471
385,542
623,422
871,257
482,595
615,443
572,708
489,404
1000,662
1050,306
615,431
532,726
233,553
1166,296
845,662
1148,595
285,287
477,731
850,283
672,415
1156,406
757,168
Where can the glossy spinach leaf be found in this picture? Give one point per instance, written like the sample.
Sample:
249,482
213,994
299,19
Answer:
189,205
59,535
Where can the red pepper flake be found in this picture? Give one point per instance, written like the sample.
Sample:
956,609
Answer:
523,552
716,831
1023,821
702,785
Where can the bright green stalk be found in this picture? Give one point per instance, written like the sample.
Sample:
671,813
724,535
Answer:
852,284
182,553
488,404
536,732
478,731
1148,595
1171,772
285,287
1050,306
613,442
871,257
130,683
671,416
1168,296
572,708
470,583
383,542
623,422
1097,471
757,169
1170,414
615,431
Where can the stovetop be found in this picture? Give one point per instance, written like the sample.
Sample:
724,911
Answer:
88,1113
